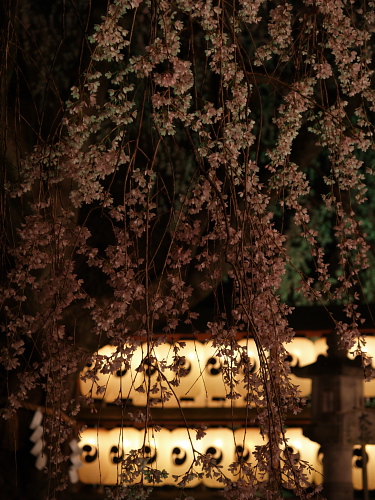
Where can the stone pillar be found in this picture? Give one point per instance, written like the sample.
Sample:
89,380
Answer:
337,475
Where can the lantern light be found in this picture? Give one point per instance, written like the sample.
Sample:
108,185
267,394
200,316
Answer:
151,374
104,455
36,420
94,456
90,386
246,441
301,353
157,448
119,443
368,348
182,457
75,461
215,390
253,367
107,386
190,388
357,464
218,442
120,382
321,347
306,450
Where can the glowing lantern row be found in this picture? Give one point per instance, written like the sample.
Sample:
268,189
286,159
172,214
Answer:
104,453
199,376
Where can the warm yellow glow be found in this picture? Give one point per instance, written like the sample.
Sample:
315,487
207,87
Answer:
181,458
103,452
357,467
308,450
320,346
301,350
302,353
368,348
297,443
200,377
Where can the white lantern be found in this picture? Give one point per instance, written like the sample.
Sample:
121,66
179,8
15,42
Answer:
321,347
156,449
75,460
92,387
301,353
302,448
120,441
215,390
108,386
245,386
151,381
160,380
357,470
369,348
246,441
182,456
120,381
95,451
190,391
218,443
138,374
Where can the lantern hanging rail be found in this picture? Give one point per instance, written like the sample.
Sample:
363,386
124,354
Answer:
110,415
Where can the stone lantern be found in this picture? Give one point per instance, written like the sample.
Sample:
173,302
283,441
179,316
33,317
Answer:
336,409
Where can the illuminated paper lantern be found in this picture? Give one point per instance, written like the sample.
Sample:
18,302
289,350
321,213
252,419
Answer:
152,376
190,391
321,347
302,448
157,448
215,390
120,382
116,384
369,348
94,457
160,380
120,441
301,352
182,456
245,443
244,388
92,387
138,377
357,469
218,443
